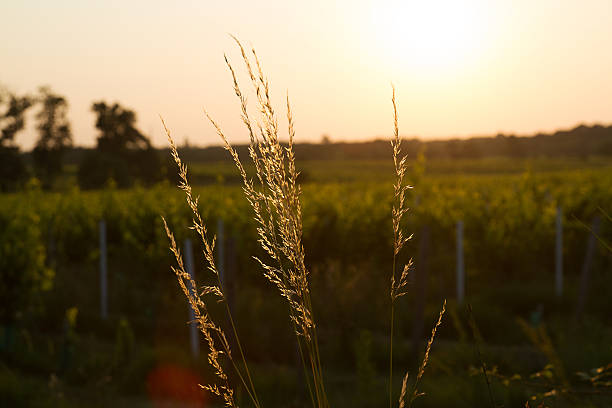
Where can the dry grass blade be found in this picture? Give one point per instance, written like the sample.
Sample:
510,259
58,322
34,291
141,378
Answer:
416,393
207,327
196,298
275,199
397,287
402,397
399,207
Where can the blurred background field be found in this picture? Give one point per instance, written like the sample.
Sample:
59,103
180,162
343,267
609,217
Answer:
57,350
503,110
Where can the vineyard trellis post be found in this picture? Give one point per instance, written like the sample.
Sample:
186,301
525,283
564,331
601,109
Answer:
103,271
193,329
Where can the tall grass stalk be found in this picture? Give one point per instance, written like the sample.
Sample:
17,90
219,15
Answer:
212,332
274,195
275,199
415,390
398,286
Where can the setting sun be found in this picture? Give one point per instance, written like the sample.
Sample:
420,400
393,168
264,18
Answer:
302,204
434,35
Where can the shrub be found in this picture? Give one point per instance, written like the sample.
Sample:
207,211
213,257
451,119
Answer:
23,272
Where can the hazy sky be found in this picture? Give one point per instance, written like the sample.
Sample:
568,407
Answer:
460,67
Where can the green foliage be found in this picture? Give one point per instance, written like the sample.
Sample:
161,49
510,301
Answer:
23,273
509,243
509,227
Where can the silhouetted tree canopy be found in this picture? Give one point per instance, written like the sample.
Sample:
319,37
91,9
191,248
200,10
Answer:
12,120
117,131
123,153
55,136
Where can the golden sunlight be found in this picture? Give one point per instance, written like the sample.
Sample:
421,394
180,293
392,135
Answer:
435,35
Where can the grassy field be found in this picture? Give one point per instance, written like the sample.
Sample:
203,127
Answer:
54,357
329,171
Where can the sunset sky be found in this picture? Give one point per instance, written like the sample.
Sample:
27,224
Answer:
461,68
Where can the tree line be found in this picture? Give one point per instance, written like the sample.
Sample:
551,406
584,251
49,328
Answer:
123,154
580,142
54,135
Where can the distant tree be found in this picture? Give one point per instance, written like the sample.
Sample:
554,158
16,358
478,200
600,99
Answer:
123,153
55,136
117,131
12,120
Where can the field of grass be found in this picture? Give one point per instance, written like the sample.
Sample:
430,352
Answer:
329,171
508,210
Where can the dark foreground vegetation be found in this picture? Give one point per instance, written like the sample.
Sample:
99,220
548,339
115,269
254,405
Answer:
57,350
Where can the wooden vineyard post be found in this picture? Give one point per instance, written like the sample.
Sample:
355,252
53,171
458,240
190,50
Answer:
103,272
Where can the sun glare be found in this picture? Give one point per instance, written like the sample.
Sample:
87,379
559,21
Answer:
426,35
